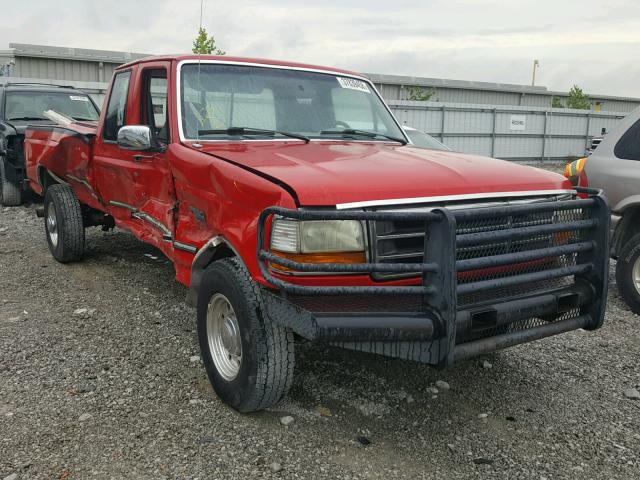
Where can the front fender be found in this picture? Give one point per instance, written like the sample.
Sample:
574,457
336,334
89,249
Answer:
626,203
218,205
216,248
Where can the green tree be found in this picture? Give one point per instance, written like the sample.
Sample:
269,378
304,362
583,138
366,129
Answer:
556,102
205,44
577,99
419,94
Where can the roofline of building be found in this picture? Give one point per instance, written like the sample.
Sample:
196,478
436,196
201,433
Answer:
449,83
486,86
66,53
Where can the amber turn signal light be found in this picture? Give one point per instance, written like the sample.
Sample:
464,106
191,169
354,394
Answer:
319,258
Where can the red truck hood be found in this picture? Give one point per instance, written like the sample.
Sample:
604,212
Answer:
330,173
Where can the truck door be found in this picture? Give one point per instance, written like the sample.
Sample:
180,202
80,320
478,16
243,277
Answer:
138,185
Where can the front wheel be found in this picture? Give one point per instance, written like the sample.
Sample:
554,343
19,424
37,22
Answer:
10,192
63,223
249,359
628,273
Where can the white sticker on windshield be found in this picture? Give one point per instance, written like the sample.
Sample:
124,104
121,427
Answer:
353,84
79,99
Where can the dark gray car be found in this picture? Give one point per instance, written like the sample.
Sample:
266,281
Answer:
615,167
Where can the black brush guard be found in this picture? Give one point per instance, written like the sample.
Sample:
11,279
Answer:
441,331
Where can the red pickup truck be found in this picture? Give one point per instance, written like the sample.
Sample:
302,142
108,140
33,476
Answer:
291,203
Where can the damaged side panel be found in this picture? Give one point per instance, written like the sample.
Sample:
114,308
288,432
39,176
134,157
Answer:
65,152
215,196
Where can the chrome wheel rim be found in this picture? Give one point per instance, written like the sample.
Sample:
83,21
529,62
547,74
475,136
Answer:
52,224
636,275
223,335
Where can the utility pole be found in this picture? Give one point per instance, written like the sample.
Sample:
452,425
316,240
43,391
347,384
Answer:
536,64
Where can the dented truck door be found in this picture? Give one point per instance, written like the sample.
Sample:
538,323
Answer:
138,184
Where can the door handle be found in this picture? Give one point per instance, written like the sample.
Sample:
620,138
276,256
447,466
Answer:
140,158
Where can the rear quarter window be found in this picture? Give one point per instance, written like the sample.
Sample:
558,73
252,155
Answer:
628,147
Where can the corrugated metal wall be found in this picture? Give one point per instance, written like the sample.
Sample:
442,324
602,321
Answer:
391,92
517,133
618,105
56,69
62,69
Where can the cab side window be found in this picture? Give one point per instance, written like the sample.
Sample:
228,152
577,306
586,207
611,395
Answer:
154,102
117,107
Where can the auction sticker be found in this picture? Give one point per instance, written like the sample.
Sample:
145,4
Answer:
353,84
78,98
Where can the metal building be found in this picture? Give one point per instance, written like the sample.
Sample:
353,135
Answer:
89,70
395,87
61,63
92,69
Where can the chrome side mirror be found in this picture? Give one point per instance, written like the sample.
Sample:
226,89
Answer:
135,137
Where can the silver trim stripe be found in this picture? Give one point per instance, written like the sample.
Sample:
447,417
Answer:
166,233
185,247
57,178
84,183
451,198
135,213
123,205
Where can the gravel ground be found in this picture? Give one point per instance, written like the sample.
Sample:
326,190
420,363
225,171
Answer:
100,378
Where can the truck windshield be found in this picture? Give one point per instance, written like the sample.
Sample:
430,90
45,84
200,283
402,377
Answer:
216,99
32,105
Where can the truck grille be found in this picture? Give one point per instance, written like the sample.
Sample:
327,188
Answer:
403,242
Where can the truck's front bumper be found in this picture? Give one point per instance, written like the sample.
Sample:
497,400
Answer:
464,306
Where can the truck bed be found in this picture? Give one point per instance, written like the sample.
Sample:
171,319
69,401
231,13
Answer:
64,151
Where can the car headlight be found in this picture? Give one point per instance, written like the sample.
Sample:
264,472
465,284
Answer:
318,241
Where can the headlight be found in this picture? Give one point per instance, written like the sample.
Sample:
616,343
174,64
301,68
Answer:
318,241
317,236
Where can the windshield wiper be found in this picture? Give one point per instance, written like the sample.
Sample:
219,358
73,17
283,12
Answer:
364,133
82,119
250,131
26,118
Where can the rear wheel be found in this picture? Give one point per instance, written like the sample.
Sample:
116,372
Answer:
10,192
628,273
63,223
249,359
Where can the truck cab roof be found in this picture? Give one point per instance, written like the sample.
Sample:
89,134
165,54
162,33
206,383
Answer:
243,60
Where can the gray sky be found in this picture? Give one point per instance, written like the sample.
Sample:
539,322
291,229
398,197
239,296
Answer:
595,44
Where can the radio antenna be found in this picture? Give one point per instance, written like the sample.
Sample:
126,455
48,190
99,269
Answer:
199,58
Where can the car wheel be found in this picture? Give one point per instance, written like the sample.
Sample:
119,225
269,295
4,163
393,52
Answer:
63,223
628,273
249,359
10,193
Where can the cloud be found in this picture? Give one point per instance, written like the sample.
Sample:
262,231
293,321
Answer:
591,43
